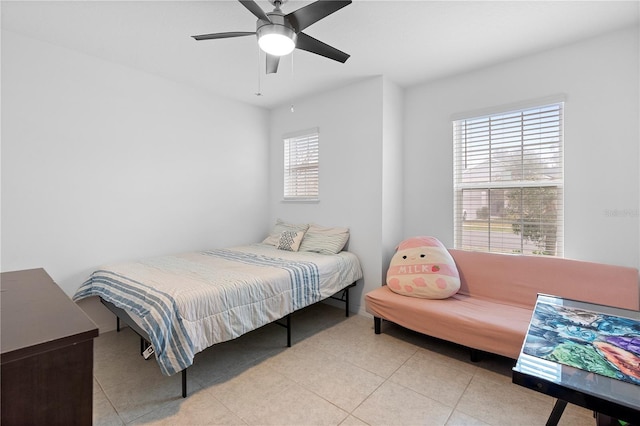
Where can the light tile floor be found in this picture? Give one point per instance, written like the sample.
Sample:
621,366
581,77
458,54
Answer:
337,372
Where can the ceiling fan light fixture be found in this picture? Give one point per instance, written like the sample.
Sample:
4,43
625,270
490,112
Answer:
276,40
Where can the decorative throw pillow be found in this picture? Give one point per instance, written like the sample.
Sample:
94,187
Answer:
422,267
290,240
324,240
279,227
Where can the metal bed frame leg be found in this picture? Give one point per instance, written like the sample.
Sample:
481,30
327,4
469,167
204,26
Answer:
184,383
287,325
344,297
118,324
346,301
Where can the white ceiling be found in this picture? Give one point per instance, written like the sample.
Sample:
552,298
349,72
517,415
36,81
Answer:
407,41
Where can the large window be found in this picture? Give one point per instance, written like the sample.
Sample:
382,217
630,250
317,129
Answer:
508,180
301,165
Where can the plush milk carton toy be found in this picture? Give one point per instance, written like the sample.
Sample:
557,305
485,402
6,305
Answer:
422,267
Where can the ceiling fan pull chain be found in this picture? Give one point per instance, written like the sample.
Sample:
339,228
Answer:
259,92
292,107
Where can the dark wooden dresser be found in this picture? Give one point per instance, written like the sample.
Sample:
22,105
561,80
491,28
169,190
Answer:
47,353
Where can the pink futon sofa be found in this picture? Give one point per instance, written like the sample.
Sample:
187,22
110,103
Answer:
492,309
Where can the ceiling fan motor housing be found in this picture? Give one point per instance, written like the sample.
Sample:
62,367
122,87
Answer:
279,25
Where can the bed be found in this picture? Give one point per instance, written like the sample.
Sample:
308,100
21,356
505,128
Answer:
182,304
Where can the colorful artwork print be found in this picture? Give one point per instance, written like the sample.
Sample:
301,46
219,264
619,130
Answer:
591,341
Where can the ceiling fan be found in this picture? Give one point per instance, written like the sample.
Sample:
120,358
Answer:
278,34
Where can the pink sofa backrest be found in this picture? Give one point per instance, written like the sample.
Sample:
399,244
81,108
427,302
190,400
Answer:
517,279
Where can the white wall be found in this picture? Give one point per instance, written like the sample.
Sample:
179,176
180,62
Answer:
600,80
392,172
103,163
350,120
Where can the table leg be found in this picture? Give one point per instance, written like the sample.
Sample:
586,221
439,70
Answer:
556,413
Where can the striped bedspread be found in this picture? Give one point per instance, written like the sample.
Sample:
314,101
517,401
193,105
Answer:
191,301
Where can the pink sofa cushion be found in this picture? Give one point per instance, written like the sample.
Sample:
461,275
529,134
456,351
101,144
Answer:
468,321
517,280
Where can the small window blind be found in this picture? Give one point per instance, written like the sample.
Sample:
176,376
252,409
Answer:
301,166
508,181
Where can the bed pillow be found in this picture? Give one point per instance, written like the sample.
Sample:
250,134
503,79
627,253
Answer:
423,267
290,240
281,226
320,239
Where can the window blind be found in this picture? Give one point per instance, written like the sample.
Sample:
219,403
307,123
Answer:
301,166
508,181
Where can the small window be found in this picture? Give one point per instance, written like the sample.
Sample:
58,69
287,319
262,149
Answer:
508,182
301,166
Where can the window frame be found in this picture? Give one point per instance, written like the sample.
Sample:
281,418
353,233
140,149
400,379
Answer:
301,180
501,188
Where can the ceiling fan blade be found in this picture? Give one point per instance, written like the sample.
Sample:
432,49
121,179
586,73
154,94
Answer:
310,14
272,63
222,35
310,44
255,9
